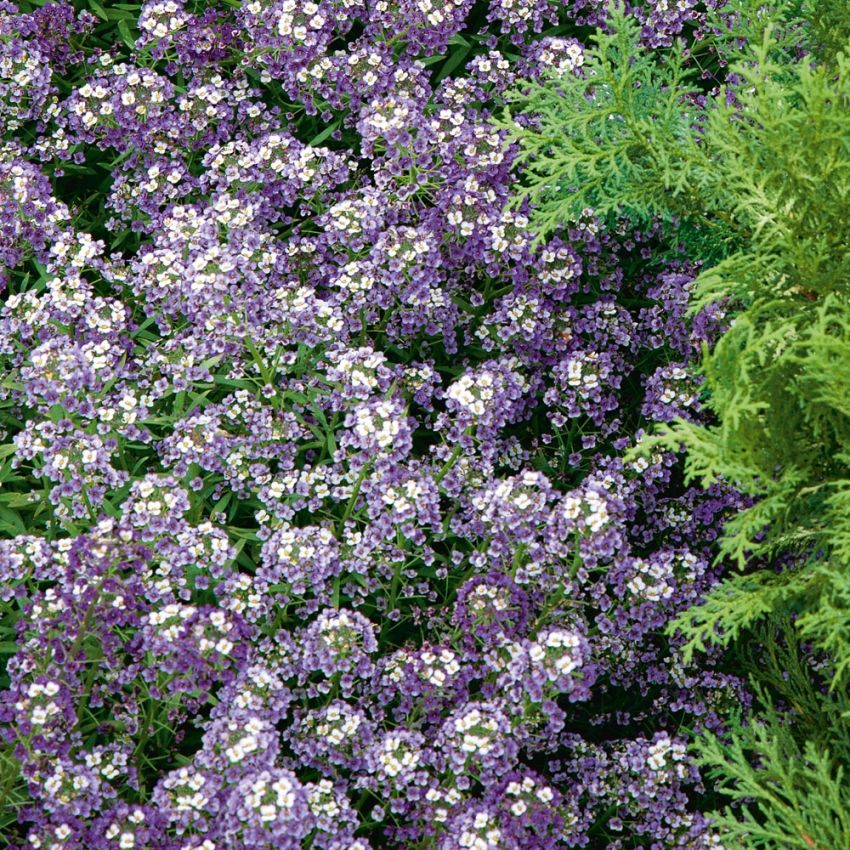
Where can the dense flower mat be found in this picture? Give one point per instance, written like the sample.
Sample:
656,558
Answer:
318,531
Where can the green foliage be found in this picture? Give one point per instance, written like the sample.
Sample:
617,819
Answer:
765,764
614,139
788,769
621,137
829,24
756,184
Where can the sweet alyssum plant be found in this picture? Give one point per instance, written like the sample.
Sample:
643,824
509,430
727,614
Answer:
316,531
752,179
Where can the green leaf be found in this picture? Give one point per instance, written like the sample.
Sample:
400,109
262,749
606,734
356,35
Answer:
324,134
21,500
126,35
455,58
98,10
11,521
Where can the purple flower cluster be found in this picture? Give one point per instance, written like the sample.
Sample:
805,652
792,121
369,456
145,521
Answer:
333,543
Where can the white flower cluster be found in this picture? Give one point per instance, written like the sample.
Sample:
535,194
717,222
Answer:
678,388
161,19
24,71
526,312
365,64
449,124
562,55
465,214
259,686
668,757
477,392
302,300
171,619
558,265
444,799
126,834
556,653
186,790
152,500
491,63
652,581
64,787
407,245
142,89
194,844
243,597
484,834
269,797
356,278
378,422
487,597
476,732
338,725
670,394
210,635
213,634
439,667
244,738
510,231
522,492
293,548
299,19
527,791
206,97
388,114
403,497
59,835
590,510
657,580
437,12
641,464
582,373
17,185
39,702
397,756
472,393
338,631
322,800
346,216
109,765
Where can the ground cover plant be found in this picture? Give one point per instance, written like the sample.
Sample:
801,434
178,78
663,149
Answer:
753,183
322,522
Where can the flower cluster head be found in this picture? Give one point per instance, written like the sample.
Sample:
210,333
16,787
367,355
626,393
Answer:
339,642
